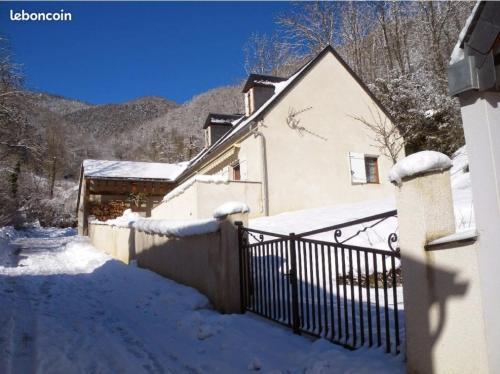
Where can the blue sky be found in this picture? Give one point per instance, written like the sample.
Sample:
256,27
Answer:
116,51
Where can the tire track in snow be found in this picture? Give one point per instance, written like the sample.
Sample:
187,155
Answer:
23,331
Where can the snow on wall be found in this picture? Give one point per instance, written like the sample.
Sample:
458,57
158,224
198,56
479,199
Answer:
418,163
179,190
231,207
179,228
132,169
124,220
167,227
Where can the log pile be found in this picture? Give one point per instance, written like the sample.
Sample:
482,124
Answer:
108,210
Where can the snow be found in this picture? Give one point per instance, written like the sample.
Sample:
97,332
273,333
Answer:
457,236
179,190
458,53
231,207
221,120
69,308
310,219
460,161
418,163
462,191
179,228
125,220
430,113
268,82
132,169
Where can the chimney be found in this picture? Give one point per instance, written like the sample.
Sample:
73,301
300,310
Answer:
258,89
217,125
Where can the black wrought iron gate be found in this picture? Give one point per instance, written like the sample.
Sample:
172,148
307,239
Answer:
345,293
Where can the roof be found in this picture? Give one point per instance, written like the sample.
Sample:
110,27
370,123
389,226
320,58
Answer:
221,119
261,80
475,56
281,87
458,52
103,169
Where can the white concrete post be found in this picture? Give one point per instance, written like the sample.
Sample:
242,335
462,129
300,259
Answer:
441,291
481,121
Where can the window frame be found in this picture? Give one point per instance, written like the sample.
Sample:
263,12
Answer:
236,169
376,179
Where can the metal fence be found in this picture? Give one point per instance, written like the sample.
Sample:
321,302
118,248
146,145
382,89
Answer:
344,293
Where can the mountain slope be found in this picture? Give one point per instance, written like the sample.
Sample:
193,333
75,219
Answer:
111,119
55,103
145,129
178,134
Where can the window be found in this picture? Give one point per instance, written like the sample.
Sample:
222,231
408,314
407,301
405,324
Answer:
236,172
364,168
371,167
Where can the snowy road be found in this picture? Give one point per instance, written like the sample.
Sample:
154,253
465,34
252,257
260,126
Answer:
68,308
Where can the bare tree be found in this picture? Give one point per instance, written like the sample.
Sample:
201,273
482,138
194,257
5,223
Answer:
269,54
312,26
387,137
19,140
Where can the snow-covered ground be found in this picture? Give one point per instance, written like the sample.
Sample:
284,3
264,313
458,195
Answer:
69,308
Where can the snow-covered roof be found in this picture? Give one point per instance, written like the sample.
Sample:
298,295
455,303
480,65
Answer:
458,52
221,119
132,169
261,80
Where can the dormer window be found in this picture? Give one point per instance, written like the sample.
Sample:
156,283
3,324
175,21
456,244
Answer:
217,125
258,89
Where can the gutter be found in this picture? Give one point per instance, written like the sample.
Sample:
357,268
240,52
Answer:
263,154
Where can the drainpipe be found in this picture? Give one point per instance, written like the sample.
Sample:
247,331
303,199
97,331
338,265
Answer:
263,157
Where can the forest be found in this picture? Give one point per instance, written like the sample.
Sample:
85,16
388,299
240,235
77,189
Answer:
400,50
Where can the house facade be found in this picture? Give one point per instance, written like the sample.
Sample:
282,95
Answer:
299,145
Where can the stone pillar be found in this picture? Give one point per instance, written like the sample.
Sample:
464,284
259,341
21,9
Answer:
229,275
481,121
444,330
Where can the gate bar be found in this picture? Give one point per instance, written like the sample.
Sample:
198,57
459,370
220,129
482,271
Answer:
350,223
293,280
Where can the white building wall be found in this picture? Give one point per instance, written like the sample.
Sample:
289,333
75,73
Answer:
309,166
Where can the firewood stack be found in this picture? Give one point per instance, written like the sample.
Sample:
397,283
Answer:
108,210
